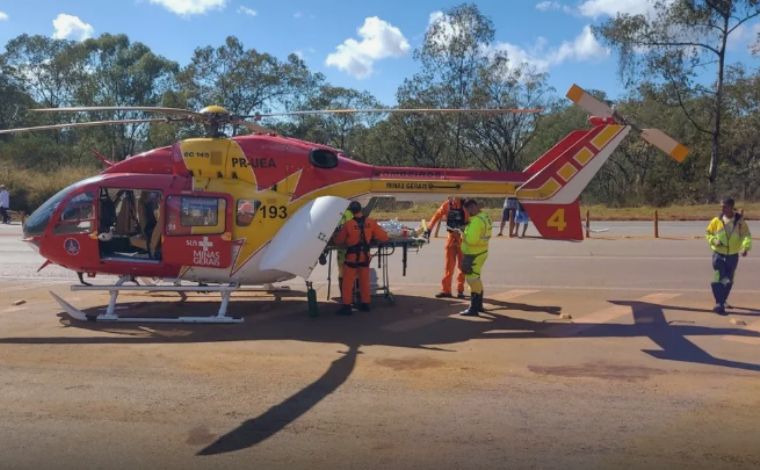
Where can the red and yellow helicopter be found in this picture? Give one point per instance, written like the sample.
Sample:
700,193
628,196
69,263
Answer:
261,208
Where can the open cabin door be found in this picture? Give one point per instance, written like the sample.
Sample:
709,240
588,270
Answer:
198,230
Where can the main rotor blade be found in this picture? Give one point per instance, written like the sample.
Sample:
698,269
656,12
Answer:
594,107
667,144
401,110
81,124
254,127
147,109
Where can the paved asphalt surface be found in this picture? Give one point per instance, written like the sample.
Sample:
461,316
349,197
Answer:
597,354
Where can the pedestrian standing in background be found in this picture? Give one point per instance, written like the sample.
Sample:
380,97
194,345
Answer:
5,204
521,219
728,235
508,214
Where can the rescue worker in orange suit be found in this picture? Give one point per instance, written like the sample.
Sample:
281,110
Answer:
341,252
356,235
452,211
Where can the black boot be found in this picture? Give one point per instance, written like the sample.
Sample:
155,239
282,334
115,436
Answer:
727,292
480,303
718,291
472,311
344,310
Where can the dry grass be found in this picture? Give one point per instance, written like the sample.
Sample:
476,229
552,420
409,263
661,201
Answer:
596,212
29,189
675,212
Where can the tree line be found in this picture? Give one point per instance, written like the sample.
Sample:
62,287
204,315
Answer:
663,61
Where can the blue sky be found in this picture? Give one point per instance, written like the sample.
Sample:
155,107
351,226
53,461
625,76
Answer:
365,45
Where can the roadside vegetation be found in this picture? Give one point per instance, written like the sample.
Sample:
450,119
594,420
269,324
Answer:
695,91
417,212
30,187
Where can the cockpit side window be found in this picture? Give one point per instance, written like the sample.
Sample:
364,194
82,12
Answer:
246,211
78,215
35,224
196,215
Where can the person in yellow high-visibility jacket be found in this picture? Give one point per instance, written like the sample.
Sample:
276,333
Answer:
475,240
728,235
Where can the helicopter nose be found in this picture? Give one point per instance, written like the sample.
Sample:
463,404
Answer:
34,242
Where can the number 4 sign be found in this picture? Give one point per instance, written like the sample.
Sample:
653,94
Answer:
559,221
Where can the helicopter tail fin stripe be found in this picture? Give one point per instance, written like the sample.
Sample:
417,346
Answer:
556,221
563,179
555,152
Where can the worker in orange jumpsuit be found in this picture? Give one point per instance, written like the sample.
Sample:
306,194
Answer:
356,235
452,210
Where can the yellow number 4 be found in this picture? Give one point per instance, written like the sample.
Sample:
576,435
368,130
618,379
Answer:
557,220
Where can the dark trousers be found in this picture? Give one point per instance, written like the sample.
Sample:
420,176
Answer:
724,267
5,215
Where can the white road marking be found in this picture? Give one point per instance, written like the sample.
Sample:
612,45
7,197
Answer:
32,285
631,258
603,316
752,327
418,321
628,288
509,295
13,309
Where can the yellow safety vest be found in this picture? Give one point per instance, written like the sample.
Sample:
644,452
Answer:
728,238
477,234
347,215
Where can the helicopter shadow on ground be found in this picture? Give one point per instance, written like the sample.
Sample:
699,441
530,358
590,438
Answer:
505,305
267,320
414,322
674,345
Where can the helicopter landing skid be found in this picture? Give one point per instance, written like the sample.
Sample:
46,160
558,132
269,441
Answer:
110,314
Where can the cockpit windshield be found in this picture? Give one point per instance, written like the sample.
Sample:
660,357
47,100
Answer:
35,224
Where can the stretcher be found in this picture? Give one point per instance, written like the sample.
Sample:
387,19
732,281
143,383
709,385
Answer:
380,252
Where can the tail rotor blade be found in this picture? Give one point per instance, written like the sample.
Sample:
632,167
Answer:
595,107
667,144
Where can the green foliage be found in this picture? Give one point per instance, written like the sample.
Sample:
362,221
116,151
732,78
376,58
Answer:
460,67
29,188
676,45
341,131
244,81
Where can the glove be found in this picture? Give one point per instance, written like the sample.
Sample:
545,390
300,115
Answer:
105,236
323,259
